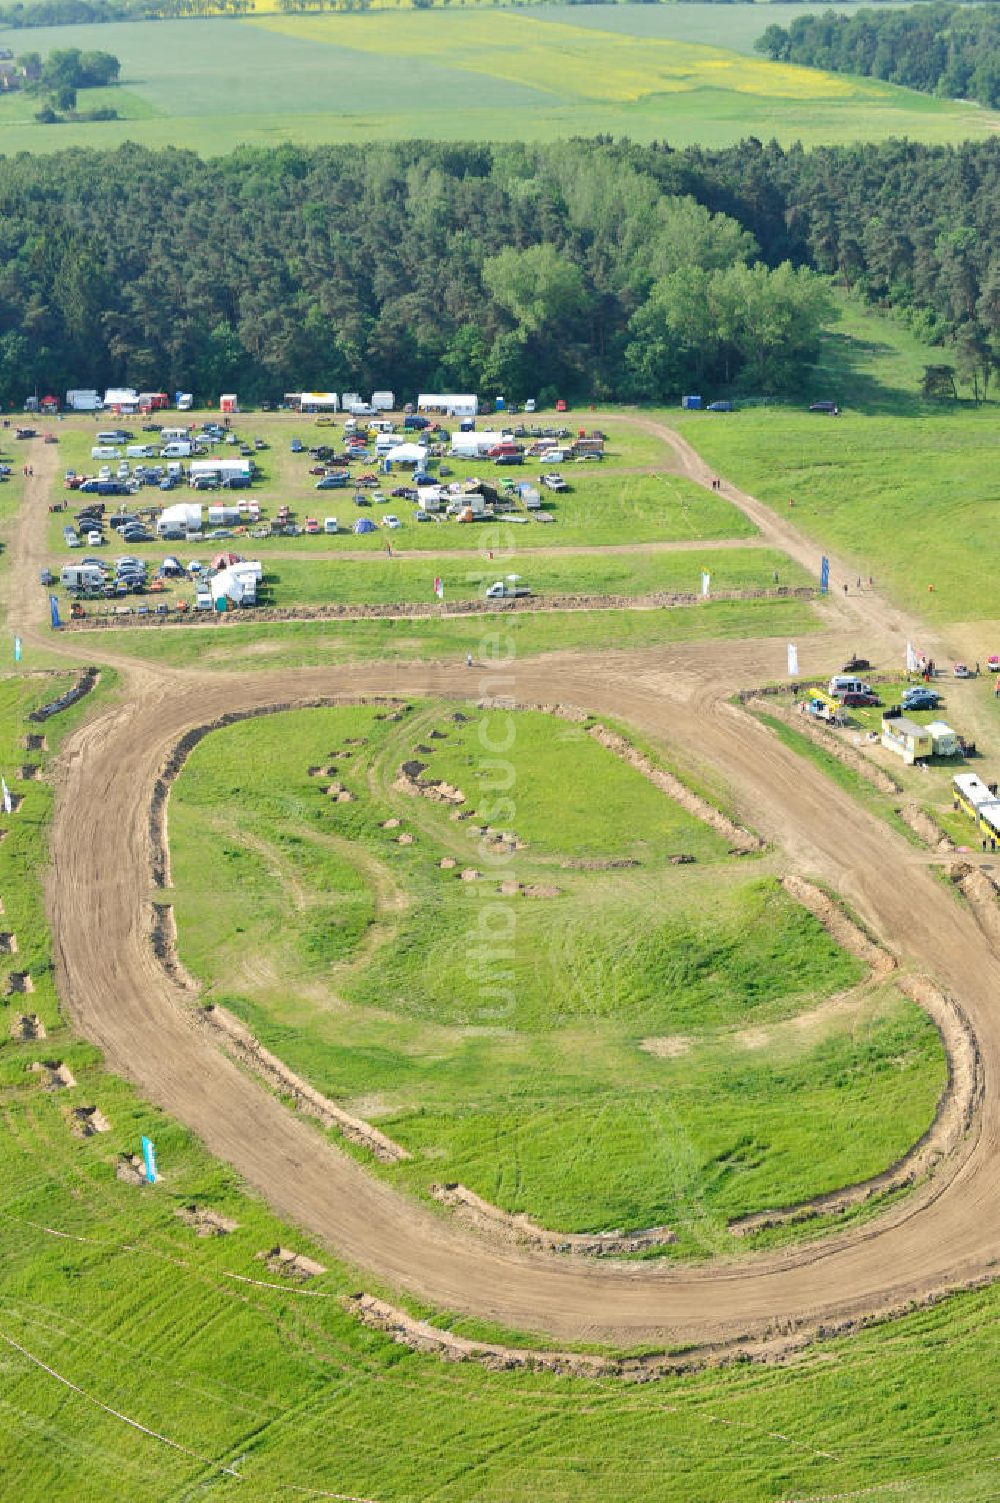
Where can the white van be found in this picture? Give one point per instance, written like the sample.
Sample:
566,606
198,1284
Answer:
105,451
847,683
168,434
178,449
140,451
330,525
113,436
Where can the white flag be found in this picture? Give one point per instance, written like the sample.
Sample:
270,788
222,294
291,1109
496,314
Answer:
793,660
706,580
7,804
439,588
911,658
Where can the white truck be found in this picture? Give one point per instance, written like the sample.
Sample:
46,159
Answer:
507,589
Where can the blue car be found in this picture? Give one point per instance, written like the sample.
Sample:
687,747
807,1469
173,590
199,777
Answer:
920,699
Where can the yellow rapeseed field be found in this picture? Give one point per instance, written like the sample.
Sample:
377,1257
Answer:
561,59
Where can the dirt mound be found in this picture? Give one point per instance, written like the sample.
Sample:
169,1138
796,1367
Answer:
291,1265
411,781
163,936
419,1336
89,1120
929,831
206,1223
27,1026
521,1230
980,891
56,1075
131,1170
87,681
843,930
239,1041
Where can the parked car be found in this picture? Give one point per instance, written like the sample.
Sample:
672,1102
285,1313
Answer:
830,408
962,670
296,446
311,526
330,525
919,698
95,539
389,520
859,701
331,482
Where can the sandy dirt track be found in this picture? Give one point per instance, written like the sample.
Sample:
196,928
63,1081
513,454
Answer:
118,995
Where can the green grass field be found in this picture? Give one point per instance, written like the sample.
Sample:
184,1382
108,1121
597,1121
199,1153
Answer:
212,85
391,580
522,1074
902,489
306,644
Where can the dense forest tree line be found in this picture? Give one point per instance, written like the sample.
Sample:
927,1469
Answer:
82,12
586,269
949,50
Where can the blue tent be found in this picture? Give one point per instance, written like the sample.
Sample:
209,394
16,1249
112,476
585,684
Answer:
364,524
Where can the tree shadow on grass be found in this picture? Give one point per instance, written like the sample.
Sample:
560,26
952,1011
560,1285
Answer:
844,374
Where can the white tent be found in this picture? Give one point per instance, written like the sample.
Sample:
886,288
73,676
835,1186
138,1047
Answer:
407,454
185,515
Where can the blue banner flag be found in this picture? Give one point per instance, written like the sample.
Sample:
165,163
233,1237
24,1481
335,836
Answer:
17,649
54,609
149,1154
824,574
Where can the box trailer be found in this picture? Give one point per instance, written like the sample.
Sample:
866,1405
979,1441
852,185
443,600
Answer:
83,401
183,401
228,402
383,401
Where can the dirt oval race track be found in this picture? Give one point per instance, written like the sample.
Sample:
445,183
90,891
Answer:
944,1236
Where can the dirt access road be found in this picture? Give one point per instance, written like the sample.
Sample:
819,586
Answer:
119,996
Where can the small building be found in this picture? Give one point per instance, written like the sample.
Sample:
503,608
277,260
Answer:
383,401
907,739
228,402
946,742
